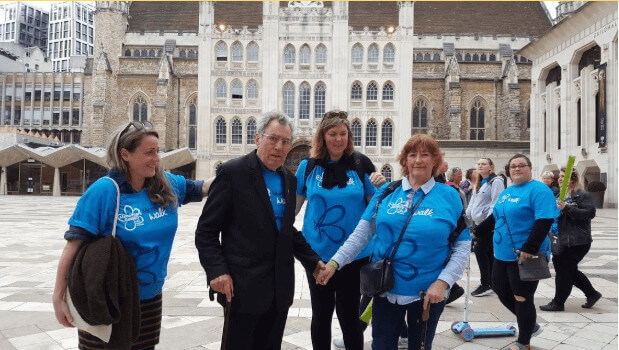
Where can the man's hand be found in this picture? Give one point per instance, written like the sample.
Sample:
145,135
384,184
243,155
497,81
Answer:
524,255
377,179
325,275
223,284
318,270
436,293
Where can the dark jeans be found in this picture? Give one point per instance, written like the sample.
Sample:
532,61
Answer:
341,294
507,284
387,320
568,275
256,331
365,300
484,252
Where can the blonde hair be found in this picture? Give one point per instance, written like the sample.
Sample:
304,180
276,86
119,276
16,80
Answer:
330,120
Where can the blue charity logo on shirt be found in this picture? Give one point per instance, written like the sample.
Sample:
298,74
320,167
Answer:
131,217
275,189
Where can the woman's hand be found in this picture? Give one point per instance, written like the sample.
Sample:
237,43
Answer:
560,204
325,274
436,293
377,179
524,255
61,309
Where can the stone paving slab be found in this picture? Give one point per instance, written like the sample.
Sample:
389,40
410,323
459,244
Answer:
31,243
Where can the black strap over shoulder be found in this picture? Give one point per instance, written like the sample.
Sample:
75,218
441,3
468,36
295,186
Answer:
363,165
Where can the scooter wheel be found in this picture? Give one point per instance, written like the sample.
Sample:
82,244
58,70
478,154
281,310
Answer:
453,327
467,334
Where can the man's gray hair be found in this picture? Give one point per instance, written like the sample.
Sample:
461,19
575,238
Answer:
267,117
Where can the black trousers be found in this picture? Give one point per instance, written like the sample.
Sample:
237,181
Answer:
484,253
506,284
568,275
256,331
342,295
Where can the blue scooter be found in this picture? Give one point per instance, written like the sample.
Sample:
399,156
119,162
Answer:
467,333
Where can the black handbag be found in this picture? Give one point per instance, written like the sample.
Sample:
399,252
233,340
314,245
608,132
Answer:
534,268
555,245
377,278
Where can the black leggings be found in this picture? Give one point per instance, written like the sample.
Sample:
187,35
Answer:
484,253
568,275
507,284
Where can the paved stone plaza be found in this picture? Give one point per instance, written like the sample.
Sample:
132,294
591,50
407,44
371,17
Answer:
31,242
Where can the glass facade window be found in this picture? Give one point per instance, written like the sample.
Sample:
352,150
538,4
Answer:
321,54
373,54
237,52
477,121
386,134
220,88
356,133
356,92
220,131
237,132
221,52
319,101
289,100
237,90
304,101
387,92
289,55
252,52
370,134
372,94
251,131
357,54
305,55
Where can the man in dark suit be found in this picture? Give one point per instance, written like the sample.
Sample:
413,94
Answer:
251,204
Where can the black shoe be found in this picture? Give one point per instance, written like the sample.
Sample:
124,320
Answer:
552,306
482,291
456,292
591,301
537,329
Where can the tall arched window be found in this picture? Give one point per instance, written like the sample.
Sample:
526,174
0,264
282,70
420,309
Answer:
387,92
289,55
386,172
370,134
140,109
221,51
252,90
252,52
559,127
321,54
305,55
289,100
221,89
357,54
578,123
237,89
420,118
478,124
356,133
237,52
356,92
220,131
372,94
251,131
388,54
319,100
192,125
386,134
373,54
236,131
304,101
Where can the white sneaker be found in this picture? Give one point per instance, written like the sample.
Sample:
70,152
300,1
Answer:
339,343
403,343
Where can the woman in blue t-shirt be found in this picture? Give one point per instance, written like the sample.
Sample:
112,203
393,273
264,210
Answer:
336,197
425,260
147,223
521,217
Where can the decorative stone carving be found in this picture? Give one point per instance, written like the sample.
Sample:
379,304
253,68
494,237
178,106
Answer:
577,88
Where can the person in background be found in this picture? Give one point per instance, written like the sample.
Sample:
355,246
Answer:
484,195
440,172
573,226
454,178
246,240
548,177
425,260
521,218
147,232
336,198
468,183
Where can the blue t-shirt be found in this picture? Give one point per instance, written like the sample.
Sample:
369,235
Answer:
146,230
331,215
521,205
424,249
275,188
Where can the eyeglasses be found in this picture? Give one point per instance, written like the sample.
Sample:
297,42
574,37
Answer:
519,166
333,114
274,139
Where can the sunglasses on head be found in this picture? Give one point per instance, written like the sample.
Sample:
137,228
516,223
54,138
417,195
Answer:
333,114
144,125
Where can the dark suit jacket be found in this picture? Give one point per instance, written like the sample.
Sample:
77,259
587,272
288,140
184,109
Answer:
258,256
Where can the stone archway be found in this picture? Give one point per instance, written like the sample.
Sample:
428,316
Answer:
296,155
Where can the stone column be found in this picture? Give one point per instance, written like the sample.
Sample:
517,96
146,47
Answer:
56,187
3,181
205,63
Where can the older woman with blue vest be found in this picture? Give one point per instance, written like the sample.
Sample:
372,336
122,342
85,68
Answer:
425,262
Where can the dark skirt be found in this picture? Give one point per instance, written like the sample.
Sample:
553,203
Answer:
150,327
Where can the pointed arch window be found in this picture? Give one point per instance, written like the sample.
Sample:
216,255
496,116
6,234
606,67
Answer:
289,55
236,132
305,55
477,121
140,109
356,133
237,90
252,90
221,52
319,101
436,57
419,57
304,101
356,92
357,54
252,52
220,131
192,125
372,93
370,134
321,54
420,118
237,52
388,54
373,54
386,134
387,92
386,172
221,89
251,131
289,100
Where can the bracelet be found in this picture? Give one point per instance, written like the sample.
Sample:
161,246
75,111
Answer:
334,264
